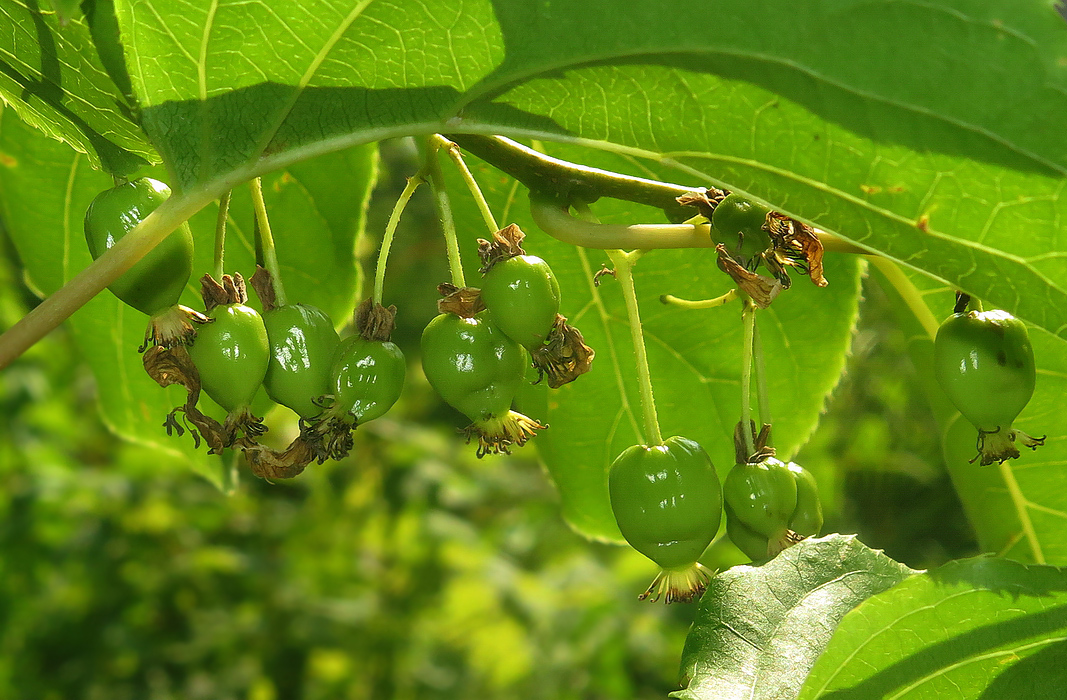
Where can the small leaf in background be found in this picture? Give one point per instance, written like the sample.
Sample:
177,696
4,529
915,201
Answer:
760,629
974,629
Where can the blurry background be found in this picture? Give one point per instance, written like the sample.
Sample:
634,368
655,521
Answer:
409,570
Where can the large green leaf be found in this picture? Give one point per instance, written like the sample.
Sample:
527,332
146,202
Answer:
976,629
760,629
835,112
695,356
45,187
52,76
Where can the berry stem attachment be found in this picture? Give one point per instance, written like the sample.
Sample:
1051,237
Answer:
624,263
454,153
436,178
748,322
220,235
390,229
266,238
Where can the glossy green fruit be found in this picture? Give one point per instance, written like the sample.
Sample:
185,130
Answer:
754,545
761,496
984,362
156,281
368,377
472,364
302,346
738,224
806,519
232,355
667,500
523,296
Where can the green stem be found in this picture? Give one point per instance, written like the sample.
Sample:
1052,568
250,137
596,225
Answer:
624,263
748,321
570,181
390,229
762,396
553,218
220,235
436,178
270,254
672,300
468,177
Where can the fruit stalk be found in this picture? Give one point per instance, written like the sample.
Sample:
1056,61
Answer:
468,177
220,234
266,238
436,178
624,263
748,320
390,229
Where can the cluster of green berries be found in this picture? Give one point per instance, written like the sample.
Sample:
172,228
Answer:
293,351
476,351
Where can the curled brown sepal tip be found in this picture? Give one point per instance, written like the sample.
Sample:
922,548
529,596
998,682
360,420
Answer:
761,289
174,326
564,356
795,244
270,464
461,301
231,290
374,321
704,200
506,243
263,284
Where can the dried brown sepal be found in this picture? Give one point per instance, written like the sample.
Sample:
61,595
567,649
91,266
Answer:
374,321
497,435
263,284
506,243
169,366
461,301
603,272
705,201
761,289
795,244
996,446
172,327
564,356
759,441
230,291
329,435
785,540
271,464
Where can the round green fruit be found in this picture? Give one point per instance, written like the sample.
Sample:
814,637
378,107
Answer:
737,223
806,519
761,496
472,364
368,377
302,346
156,281
984,362
667,500
232,354
523,296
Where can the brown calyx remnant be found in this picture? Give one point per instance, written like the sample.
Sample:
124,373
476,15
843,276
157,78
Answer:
795,244
230,291
506,243
375,322
564,356
761,289
759,441
705,202
461,301
263,284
